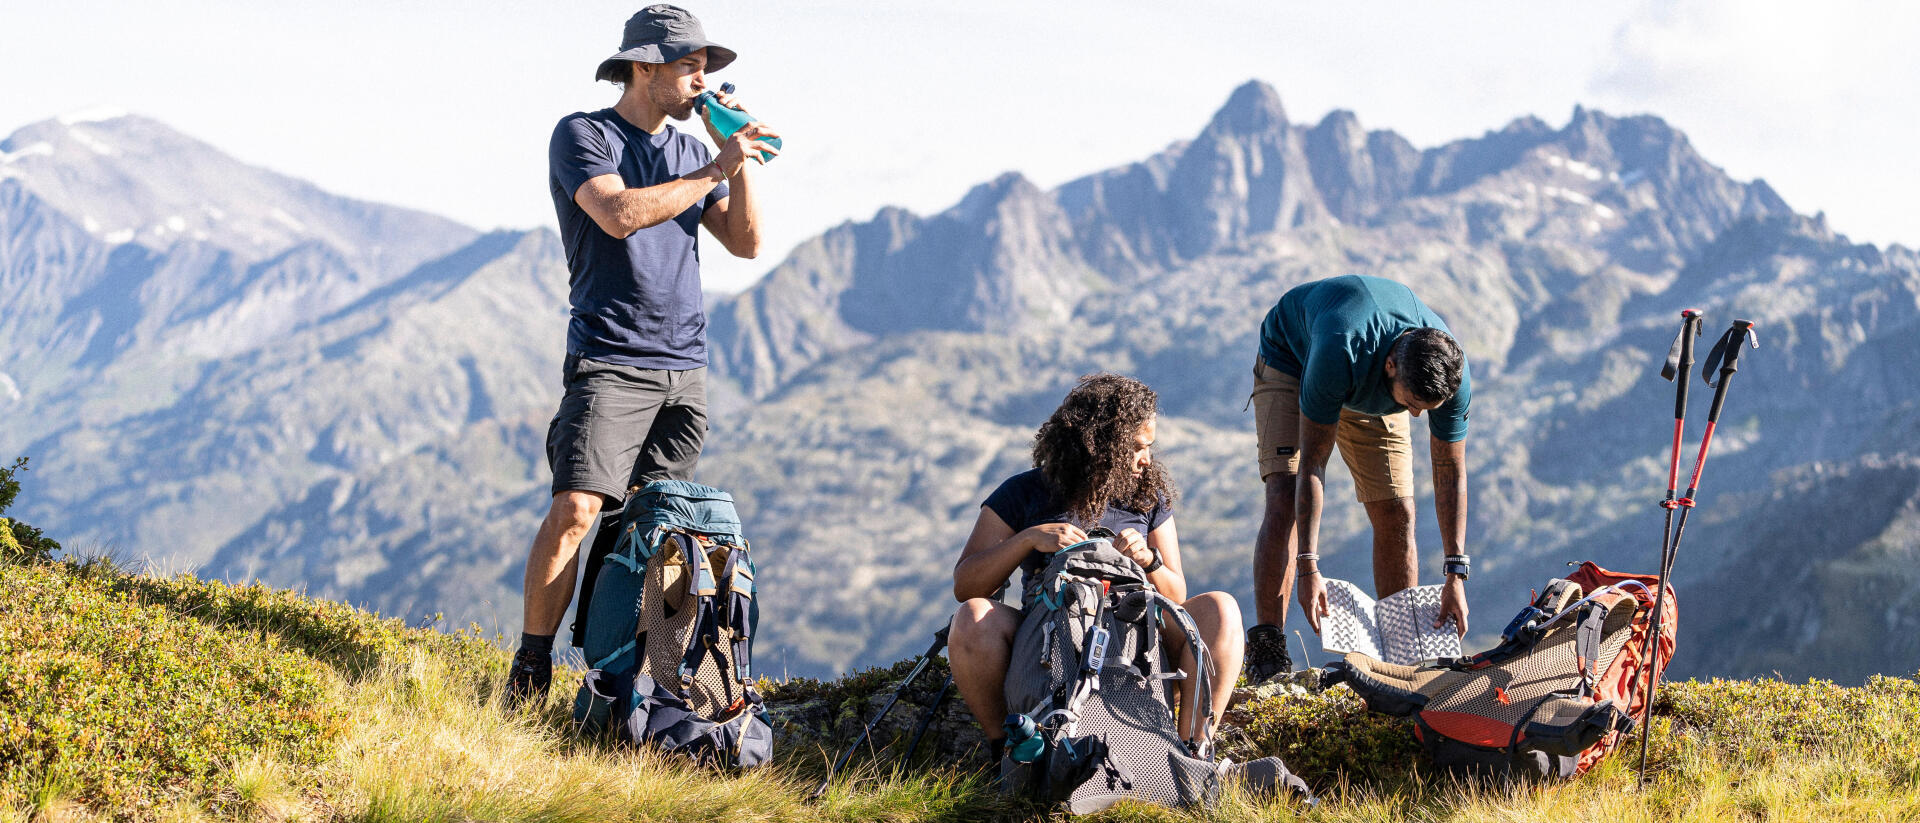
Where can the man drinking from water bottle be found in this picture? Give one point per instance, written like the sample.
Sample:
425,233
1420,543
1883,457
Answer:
631,193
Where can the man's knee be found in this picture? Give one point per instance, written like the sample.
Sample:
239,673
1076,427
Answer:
1279,496
573,512
1394,512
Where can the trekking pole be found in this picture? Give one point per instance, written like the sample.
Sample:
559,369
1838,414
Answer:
1724,358
1679,370
926,718
939,642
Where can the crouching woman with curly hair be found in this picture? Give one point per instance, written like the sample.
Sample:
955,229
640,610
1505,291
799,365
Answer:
1093,466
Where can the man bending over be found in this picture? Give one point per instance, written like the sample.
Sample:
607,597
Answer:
1344,362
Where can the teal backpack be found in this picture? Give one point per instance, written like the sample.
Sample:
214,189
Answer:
668,629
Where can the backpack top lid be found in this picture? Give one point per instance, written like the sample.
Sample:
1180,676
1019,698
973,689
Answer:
1094,558
685,506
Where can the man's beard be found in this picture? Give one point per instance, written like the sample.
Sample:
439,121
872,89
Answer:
669,101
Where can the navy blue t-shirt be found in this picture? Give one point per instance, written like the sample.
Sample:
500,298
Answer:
1026,500
636,301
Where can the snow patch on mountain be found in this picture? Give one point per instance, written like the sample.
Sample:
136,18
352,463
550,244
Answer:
287,220
41,148
1576,167
99,146
1568,195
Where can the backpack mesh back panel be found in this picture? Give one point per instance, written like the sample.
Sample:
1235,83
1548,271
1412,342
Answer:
669,613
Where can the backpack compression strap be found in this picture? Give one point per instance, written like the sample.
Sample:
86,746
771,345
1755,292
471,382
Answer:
738,615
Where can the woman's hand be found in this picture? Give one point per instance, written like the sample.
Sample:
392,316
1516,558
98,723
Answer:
1052,537
1133,545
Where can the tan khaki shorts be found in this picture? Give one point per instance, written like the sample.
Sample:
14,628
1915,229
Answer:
1378,450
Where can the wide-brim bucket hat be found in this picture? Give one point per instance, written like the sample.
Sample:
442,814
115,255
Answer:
662,33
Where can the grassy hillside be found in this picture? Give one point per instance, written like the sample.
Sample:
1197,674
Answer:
131,697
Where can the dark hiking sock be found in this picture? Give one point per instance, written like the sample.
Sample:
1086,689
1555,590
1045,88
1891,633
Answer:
536,643
996,748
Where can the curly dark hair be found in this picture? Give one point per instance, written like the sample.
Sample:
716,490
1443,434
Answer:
1085,450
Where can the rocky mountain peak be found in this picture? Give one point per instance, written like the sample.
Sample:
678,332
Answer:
1253,108
102,133
1341,129
1358,173
985,199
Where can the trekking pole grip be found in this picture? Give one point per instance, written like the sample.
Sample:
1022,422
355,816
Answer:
1726,355
1678,368
1689,332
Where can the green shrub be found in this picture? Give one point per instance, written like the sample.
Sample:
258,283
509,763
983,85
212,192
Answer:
334,633
1324,737
1756,722
126,705
19,541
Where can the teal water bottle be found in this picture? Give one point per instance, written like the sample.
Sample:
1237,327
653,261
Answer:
727,120
1024,743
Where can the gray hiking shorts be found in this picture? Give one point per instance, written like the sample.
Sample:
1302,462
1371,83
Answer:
621,426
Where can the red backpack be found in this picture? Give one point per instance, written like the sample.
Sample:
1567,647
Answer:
1563,687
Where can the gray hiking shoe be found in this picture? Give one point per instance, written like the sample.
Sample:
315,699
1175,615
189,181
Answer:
1266,653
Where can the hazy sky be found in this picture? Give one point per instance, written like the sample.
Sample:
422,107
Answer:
448,106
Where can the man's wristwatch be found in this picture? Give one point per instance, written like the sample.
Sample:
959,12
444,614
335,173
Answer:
1458,564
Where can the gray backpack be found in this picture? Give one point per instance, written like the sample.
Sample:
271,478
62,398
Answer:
1091,686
